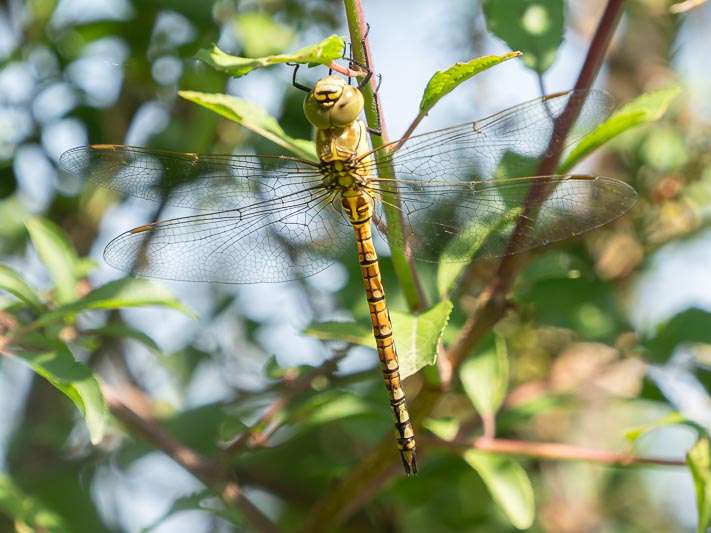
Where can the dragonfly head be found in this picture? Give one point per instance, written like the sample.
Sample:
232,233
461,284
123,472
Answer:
332,103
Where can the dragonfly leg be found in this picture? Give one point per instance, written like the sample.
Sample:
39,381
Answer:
295,83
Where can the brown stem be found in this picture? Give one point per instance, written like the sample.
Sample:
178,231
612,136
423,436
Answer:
212,476
492,304
600,43
488,422
266,425
551,450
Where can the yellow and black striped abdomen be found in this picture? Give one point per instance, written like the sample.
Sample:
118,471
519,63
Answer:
358,206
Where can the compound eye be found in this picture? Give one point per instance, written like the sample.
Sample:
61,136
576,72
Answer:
316,113
333,103
347,108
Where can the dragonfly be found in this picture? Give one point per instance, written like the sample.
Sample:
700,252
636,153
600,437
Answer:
266,218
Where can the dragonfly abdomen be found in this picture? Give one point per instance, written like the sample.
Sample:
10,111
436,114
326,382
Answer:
358,206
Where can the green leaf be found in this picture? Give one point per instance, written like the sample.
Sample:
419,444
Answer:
125,292
447,275
12,282
699,461
350,332
329,407
445,81
28,513
553,265
444,428
322,53
272,369
508,485
123,331
416,336
13,213
203,501
584,304
485,378
670,419
71,377
183,364
533,26
649,107
185,503
253,117
514,417
57,254
691,326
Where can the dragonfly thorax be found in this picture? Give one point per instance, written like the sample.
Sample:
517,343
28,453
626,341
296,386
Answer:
344,156
333,106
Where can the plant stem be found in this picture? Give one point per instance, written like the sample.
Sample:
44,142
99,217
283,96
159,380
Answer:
552,450
492,302
404,268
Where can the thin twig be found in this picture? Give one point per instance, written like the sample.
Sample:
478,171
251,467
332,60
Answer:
488,422
266,425
336,67
551,450
211,475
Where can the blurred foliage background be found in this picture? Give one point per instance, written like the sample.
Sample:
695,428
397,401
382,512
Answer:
607,339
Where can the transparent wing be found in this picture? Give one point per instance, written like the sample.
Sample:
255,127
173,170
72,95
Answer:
458,221
196,181
273,220
508,144
465,181
263,243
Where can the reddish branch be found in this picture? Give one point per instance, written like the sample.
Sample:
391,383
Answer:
551,450
493,303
